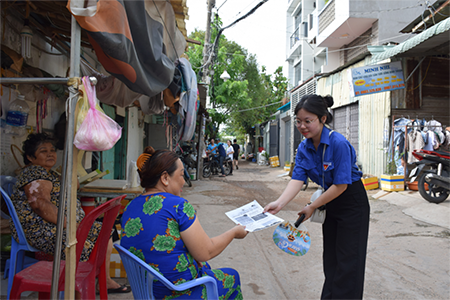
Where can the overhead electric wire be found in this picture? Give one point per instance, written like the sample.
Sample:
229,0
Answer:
384,10
258,107
216,40
364,45
251,11
245,8
222,4
246,15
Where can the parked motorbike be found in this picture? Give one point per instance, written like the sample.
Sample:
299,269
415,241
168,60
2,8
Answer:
211,166
187,177
433,171
188,157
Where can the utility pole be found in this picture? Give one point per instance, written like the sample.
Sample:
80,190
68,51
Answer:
206,49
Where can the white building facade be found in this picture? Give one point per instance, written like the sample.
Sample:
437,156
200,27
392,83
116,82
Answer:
325,36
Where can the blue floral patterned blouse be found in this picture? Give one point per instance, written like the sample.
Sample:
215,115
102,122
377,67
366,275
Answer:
151,227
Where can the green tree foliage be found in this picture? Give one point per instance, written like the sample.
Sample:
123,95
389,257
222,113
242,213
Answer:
249,97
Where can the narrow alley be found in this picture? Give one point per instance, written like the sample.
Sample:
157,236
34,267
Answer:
407,258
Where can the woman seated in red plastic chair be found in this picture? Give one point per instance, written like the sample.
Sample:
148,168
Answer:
162,229
36,200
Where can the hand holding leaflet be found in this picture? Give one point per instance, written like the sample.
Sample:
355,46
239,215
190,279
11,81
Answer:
252,216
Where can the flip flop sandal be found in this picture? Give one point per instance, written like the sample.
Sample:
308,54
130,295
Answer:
120,290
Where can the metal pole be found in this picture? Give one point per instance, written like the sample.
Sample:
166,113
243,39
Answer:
201,141
66,180
418,65
206,57
33,80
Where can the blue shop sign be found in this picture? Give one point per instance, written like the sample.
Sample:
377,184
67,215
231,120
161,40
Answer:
375,79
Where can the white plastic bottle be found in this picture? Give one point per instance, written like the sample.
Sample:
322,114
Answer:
18,112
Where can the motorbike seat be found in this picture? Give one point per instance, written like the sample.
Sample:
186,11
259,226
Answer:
443,154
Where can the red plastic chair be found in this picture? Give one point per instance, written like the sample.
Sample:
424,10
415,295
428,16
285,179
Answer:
38,277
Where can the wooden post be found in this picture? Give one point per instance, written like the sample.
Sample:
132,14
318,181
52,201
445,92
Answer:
71,230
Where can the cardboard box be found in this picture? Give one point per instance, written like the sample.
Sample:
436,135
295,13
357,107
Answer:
116,268
370,183
274,161
392,183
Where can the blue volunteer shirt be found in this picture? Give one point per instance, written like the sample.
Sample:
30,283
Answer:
222,150
339,164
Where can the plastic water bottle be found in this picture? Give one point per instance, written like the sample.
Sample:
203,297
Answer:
18,112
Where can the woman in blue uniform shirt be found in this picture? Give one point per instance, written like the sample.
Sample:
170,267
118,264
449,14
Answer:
345,230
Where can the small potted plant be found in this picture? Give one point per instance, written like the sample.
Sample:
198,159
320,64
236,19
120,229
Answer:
390,181
266,155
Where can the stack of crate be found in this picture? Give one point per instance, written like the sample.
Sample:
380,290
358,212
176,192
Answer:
274,161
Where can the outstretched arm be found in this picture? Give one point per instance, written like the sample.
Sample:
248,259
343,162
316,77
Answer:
292,189
202,247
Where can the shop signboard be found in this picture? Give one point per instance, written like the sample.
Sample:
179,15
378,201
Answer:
376,79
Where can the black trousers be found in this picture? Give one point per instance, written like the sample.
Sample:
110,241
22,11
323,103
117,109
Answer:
345,232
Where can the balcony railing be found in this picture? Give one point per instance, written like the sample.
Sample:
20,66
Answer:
295,37
300,33
327,15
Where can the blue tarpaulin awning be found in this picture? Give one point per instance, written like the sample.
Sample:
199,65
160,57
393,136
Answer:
285,107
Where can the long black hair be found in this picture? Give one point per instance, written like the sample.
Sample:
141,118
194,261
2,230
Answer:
317,105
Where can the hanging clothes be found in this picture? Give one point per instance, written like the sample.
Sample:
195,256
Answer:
437,129
415,142
188,99
431,141
398,141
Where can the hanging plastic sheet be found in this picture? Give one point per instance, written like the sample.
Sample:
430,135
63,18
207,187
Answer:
139,47
188,100
112,91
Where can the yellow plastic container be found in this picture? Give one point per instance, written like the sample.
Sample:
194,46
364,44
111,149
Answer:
274,161
116,268
370,183
392,183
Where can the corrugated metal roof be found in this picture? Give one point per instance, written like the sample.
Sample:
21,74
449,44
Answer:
436,38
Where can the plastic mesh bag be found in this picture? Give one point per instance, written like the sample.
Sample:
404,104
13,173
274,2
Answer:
97,132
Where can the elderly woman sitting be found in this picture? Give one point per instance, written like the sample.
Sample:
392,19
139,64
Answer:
162,229
36,200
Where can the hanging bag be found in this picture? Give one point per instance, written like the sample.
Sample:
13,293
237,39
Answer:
97,132
320,213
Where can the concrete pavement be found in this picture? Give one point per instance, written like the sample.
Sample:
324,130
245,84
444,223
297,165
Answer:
414,205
